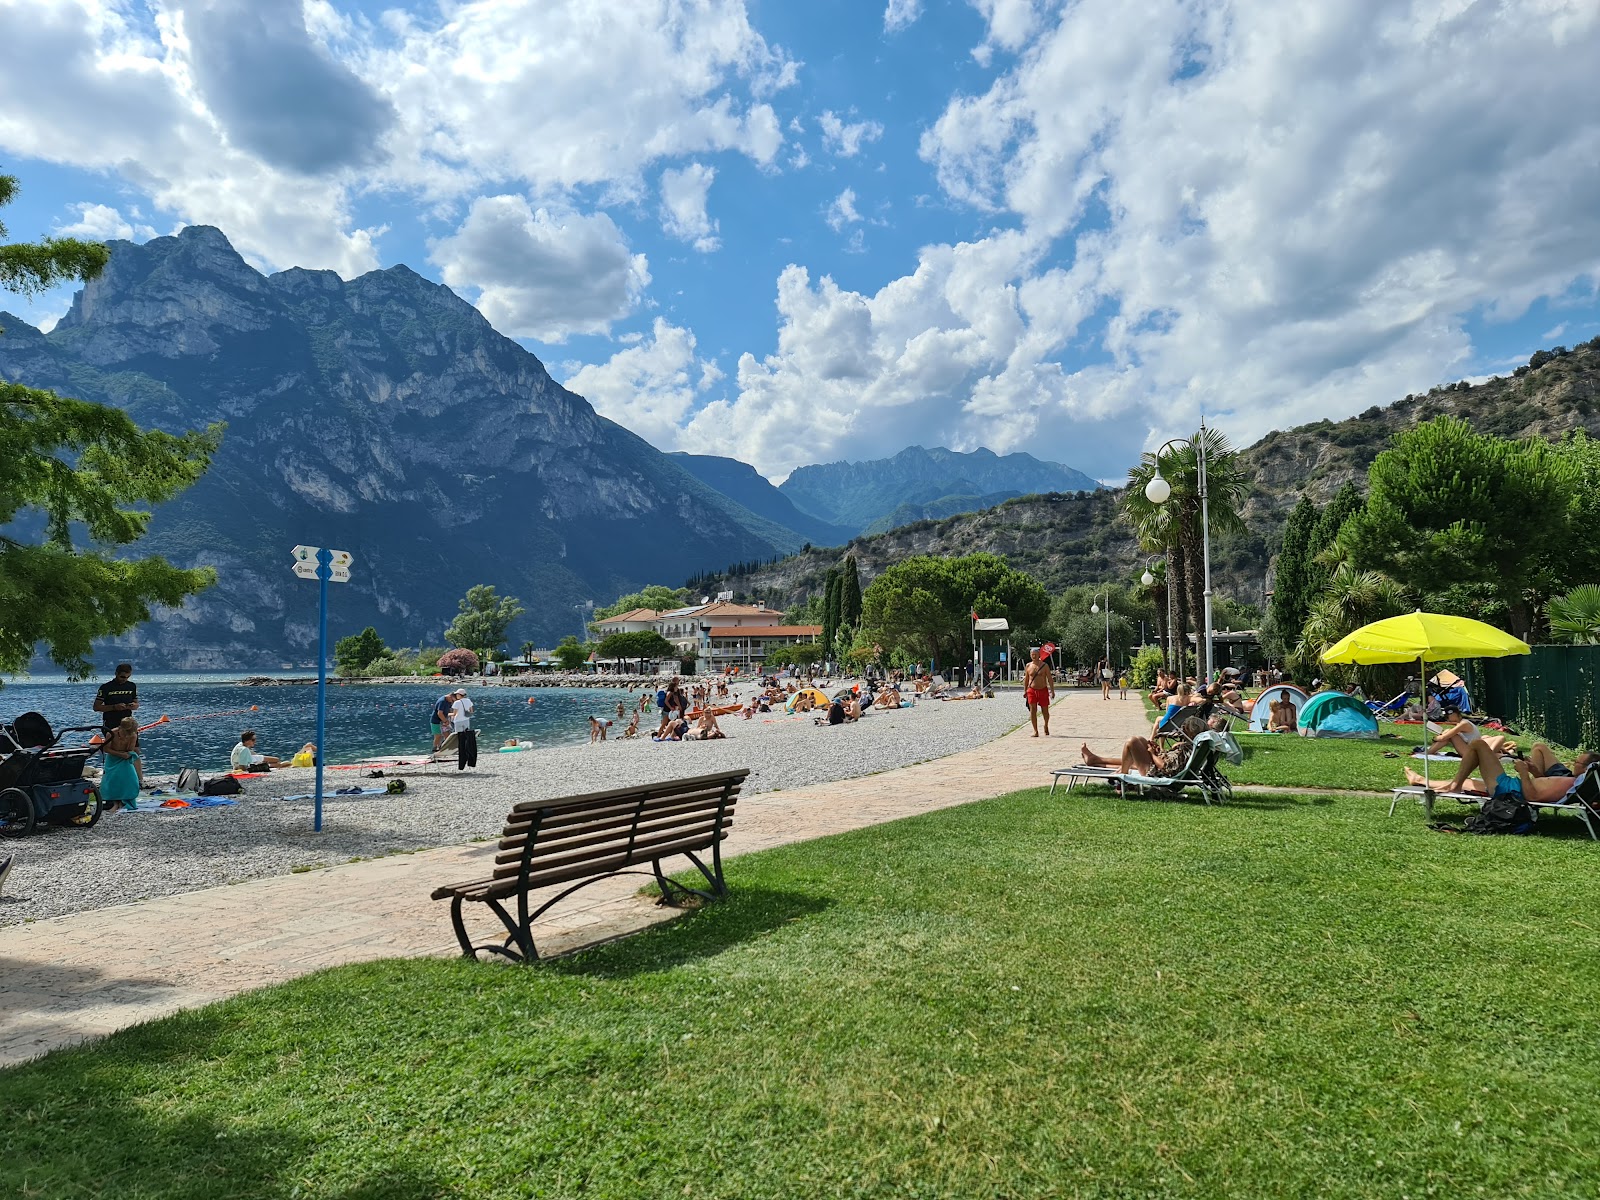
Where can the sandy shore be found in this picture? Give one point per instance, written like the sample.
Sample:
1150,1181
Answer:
132,856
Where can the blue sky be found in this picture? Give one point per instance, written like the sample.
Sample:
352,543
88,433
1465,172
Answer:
803,232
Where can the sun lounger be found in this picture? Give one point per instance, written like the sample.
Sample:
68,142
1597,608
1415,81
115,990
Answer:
1583,798
1200,772
1081,773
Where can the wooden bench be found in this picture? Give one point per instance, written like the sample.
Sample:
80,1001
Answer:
580,839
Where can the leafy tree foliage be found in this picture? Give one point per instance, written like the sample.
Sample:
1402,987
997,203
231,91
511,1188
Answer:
923,605
72,465
353,654
636,645
458,662
1083,638
1146,664
483,619
569,653
800,654
654,596
1291,581
1448,506
809,613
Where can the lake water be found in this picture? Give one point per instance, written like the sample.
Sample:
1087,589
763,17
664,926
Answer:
364,720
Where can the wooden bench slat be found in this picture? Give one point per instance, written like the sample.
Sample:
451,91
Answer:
624,793
642,850
499,888
558,816
512,847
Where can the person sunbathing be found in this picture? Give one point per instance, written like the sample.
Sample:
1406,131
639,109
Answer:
852,709
1282,714
1459,733
1146,756
1484,760
1181,699
1546,764
675,731
632,729
888,698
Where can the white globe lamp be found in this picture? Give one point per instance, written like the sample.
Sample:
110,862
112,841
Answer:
1147,579
1158,490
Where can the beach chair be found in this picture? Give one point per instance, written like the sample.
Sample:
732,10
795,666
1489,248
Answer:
1583,798
1202,772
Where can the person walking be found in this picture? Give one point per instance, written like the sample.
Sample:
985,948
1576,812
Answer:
466,735
117,698
1039,689
1105,679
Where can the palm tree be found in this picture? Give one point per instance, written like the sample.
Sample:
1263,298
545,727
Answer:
1155,592
1575,617
527,652
1175,526
1352,599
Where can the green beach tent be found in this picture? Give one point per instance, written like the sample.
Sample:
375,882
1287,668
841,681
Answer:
1334,714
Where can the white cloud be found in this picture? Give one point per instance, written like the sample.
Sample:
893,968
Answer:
568,93
842,211
102,223
649,387
1288,213
901,13
683,205
542,274
845,139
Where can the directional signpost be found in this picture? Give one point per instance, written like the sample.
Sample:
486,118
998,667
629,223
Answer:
313,562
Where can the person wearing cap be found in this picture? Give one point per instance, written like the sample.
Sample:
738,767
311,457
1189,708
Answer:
466,735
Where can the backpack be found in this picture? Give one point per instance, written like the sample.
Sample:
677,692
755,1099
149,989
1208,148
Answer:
1504,812
189,780
222,785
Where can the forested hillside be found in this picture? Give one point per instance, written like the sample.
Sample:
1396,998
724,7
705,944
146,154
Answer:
1067,539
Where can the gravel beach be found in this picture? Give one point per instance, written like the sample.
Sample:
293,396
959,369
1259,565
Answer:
133,856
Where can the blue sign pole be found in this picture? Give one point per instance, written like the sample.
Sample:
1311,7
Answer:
324,568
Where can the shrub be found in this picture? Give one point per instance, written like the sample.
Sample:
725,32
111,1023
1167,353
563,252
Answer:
458,662
1145,665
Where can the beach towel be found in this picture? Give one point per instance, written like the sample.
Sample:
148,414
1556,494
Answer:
1444,758
343,793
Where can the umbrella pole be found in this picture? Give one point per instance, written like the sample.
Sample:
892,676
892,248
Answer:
1427,784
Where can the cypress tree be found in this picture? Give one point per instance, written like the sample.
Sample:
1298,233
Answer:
1292,582
830,611
850,596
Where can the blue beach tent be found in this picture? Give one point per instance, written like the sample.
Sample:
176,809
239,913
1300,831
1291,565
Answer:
1334,714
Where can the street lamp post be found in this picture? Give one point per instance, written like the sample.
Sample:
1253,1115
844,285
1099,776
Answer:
1148,579
1095,608
1159,491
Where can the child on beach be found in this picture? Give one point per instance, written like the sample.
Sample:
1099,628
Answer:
123,778
1122,686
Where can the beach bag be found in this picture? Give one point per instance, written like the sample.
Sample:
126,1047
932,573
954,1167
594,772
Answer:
222,785
1503,812
189,779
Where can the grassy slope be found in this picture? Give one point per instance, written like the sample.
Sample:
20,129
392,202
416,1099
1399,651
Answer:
1082,997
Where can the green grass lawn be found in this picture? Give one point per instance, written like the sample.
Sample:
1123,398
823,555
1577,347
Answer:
1022,997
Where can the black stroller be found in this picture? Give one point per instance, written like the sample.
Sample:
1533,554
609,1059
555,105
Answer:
40,781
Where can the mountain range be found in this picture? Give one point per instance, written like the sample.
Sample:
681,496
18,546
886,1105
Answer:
383,415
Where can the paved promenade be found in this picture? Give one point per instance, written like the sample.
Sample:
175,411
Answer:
66,979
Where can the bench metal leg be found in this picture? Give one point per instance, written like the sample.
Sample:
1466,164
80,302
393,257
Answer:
522,937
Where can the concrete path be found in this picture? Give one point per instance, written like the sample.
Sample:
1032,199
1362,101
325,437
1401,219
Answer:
68,979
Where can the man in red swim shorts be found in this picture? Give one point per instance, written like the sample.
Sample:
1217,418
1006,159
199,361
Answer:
1038,689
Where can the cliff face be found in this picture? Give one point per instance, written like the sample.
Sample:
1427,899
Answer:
383,416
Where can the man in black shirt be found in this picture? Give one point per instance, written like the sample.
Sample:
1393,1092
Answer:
117,698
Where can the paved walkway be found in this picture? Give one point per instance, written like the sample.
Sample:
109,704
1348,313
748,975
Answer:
67,979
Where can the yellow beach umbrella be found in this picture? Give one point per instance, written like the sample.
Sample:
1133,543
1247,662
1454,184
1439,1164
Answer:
1423,637
1426,637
